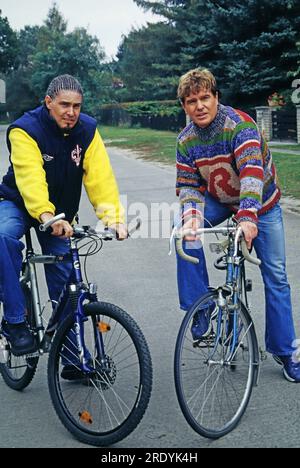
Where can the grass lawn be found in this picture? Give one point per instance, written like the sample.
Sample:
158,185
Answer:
160,146
152,144
288,169
283,147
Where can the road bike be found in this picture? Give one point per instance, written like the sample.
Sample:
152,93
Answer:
111,392
215,374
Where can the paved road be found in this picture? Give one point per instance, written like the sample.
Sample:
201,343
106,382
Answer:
140,277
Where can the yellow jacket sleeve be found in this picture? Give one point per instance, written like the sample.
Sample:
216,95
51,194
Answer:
100,183
29,172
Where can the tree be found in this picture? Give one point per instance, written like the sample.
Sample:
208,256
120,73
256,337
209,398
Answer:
20,95
250,46
55,22
256,46
296,73
28,39
8,45
47,51
167,8
76,53
148,60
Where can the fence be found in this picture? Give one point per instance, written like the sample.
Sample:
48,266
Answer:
159,115
279,124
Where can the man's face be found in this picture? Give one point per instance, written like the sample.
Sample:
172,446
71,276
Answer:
65,108
201,107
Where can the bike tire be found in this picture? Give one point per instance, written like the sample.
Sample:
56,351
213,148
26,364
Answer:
99,398
19,371
213,393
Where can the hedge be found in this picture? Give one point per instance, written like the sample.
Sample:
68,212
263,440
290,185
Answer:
161,115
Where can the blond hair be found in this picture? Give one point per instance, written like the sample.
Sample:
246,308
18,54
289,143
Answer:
195,80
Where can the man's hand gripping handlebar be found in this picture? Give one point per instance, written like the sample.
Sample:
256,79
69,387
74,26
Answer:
178,234
85,230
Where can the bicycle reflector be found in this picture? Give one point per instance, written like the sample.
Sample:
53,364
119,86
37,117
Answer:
103,327
86,417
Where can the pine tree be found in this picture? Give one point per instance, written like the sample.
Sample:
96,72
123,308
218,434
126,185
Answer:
8,45
250,46
148,62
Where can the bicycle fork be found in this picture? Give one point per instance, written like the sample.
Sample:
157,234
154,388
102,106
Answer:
99,328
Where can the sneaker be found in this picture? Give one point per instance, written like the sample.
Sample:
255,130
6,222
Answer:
202,322
291,369
20,338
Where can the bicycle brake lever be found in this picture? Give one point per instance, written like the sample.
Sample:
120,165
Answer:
172,237
135,228
239,233
131,231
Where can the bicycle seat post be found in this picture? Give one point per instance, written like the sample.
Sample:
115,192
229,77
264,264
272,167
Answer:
30,269
29,248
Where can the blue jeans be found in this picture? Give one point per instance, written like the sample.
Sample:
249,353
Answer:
269,245
14,222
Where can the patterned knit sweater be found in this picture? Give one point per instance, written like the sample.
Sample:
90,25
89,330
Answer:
231,160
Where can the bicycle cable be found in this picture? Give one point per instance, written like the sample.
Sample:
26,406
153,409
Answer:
94,245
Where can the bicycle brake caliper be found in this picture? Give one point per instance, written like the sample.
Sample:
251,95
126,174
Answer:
221,299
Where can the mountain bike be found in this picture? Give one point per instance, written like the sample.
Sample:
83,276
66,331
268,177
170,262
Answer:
102,343
215,374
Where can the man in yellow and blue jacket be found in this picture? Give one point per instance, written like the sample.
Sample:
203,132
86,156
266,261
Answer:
53,149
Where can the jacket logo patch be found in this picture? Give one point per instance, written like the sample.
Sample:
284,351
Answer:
47,158
76,155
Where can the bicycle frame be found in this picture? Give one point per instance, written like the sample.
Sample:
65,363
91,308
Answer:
75,290
235,275
99,366
235,283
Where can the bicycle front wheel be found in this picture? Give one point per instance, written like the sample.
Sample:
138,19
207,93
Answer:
214,375
104,406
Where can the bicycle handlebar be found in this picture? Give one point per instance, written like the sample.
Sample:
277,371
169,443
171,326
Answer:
84,231
180,234
43,227
107,234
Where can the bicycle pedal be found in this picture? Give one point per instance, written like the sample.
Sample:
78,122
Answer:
32,355
208,342
202,345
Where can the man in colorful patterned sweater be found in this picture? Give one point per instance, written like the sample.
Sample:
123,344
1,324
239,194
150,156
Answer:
53,149
224,166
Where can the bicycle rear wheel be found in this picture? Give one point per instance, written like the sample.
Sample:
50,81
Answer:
18,371
105,406
214,376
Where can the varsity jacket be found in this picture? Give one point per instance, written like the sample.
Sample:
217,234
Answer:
48,167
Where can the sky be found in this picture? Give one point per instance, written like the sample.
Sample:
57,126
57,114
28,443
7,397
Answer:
106,19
